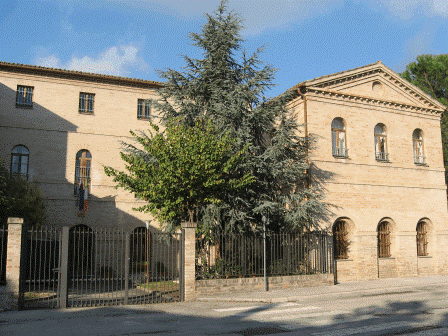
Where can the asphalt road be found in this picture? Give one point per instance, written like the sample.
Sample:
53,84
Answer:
415,311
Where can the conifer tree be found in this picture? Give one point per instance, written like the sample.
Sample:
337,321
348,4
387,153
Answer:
228,87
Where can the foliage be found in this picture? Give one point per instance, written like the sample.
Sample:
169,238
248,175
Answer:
228,87
180,169
20,198
430,74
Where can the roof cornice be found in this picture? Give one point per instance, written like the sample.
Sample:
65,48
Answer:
77,75
365,99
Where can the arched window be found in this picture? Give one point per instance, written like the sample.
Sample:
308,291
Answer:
340,239
381,143
422,239
384,240
417,142
82,171
338,138
19,161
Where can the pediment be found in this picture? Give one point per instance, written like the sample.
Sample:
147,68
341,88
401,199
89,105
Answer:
378,82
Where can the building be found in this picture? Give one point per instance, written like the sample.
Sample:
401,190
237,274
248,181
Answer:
378,157
380,161
60,127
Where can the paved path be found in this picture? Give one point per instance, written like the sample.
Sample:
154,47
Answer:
407,306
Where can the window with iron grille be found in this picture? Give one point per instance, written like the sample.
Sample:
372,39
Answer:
24,96
417,142
340,240
384,240
422,239
19,161
143,109
338,138
381,143
82,170
86,101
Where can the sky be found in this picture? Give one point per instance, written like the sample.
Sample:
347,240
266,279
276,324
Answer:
303,39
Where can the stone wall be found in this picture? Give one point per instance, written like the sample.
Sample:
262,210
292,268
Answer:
226,286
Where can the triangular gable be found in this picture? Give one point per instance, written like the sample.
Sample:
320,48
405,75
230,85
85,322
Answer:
376,81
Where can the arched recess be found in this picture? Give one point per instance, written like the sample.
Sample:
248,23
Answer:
343,231
424,244
140,252
82,254
386,244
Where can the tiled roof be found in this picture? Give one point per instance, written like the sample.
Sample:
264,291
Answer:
78,74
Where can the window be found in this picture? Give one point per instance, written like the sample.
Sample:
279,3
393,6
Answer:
422,239
417,142
86,102
340,240
19,161
82,170
338,138
381,143
384,240
24,96
143,109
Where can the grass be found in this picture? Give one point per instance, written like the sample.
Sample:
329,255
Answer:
160,285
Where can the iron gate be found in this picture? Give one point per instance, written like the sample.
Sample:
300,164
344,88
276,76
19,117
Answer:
85,268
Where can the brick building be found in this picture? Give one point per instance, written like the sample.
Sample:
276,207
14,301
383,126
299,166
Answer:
378,156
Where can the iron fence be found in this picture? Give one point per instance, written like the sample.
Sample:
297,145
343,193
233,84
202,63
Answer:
242,255
82,267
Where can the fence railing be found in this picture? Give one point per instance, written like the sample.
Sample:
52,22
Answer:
242,255
82,267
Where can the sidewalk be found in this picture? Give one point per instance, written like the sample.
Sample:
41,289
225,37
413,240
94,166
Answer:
347,290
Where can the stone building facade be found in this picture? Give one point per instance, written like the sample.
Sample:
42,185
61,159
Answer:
378,157
59,128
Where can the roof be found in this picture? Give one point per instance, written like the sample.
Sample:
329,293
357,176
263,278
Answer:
78,75
322,81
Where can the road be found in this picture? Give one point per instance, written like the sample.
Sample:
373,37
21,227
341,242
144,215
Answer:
415,311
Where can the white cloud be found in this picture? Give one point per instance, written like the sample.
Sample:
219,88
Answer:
117,60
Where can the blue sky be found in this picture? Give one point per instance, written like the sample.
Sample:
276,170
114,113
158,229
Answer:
303,39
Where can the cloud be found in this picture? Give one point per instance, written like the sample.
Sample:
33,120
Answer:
117,60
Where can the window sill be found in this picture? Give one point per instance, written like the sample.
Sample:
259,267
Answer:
425,257
344,260
84,112
424,164
144,118
386,258
383,161
341,156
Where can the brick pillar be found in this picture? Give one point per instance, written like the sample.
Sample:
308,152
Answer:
13,255
189,271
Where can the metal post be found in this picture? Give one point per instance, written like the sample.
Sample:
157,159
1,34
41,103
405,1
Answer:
64,267
264,220
126,267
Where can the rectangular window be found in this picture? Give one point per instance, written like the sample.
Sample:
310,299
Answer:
86,101
24,96
143,109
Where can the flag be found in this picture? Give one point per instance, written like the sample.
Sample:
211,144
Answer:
84,207
81,198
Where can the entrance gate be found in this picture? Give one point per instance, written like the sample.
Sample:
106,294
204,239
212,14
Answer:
85,268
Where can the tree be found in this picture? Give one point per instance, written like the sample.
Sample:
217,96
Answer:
430,74
20,198
228,88
180,170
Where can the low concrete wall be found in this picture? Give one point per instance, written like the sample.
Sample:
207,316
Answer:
221,286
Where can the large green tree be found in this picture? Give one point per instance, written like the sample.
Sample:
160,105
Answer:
430,74
228,87
180,170
20,198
